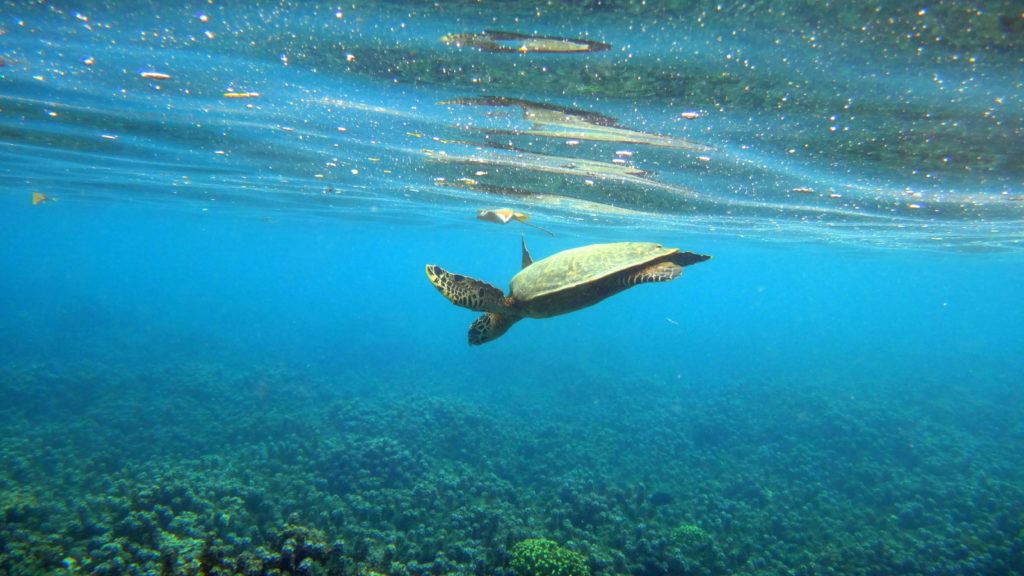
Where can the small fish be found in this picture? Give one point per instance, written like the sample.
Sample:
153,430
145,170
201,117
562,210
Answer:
39,198
496,41
506,215
155,75
241,94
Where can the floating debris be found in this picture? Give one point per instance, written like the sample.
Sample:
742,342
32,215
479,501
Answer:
506,215
497,41
500,216
39,198
573,125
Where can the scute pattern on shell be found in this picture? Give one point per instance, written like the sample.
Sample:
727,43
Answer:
578,266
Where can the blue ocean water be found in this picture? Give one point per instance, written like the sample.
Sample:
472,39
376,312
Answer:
221,354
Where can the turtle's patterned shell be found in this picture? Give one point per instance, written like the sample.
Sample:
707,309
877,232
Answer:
580,266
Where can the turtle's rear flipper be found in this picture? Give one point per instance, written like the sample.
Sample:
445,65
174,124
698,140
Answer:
489,327
465,291
688,258
660,272
665,270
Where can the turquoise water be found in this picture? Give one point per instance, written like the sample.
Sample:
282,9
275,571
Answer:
221,354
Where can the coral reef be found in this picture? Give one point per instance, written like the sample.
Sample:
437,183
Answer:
220,477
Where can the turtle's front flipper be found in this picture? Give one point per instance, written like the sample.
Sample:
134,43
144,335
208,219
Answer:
465,291
490,327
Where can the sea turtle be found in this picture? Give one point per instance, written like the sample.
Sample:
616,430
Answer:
566,282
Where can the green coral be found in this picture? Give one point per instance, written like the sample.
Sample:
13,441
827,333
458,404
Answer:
690,535
539,557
